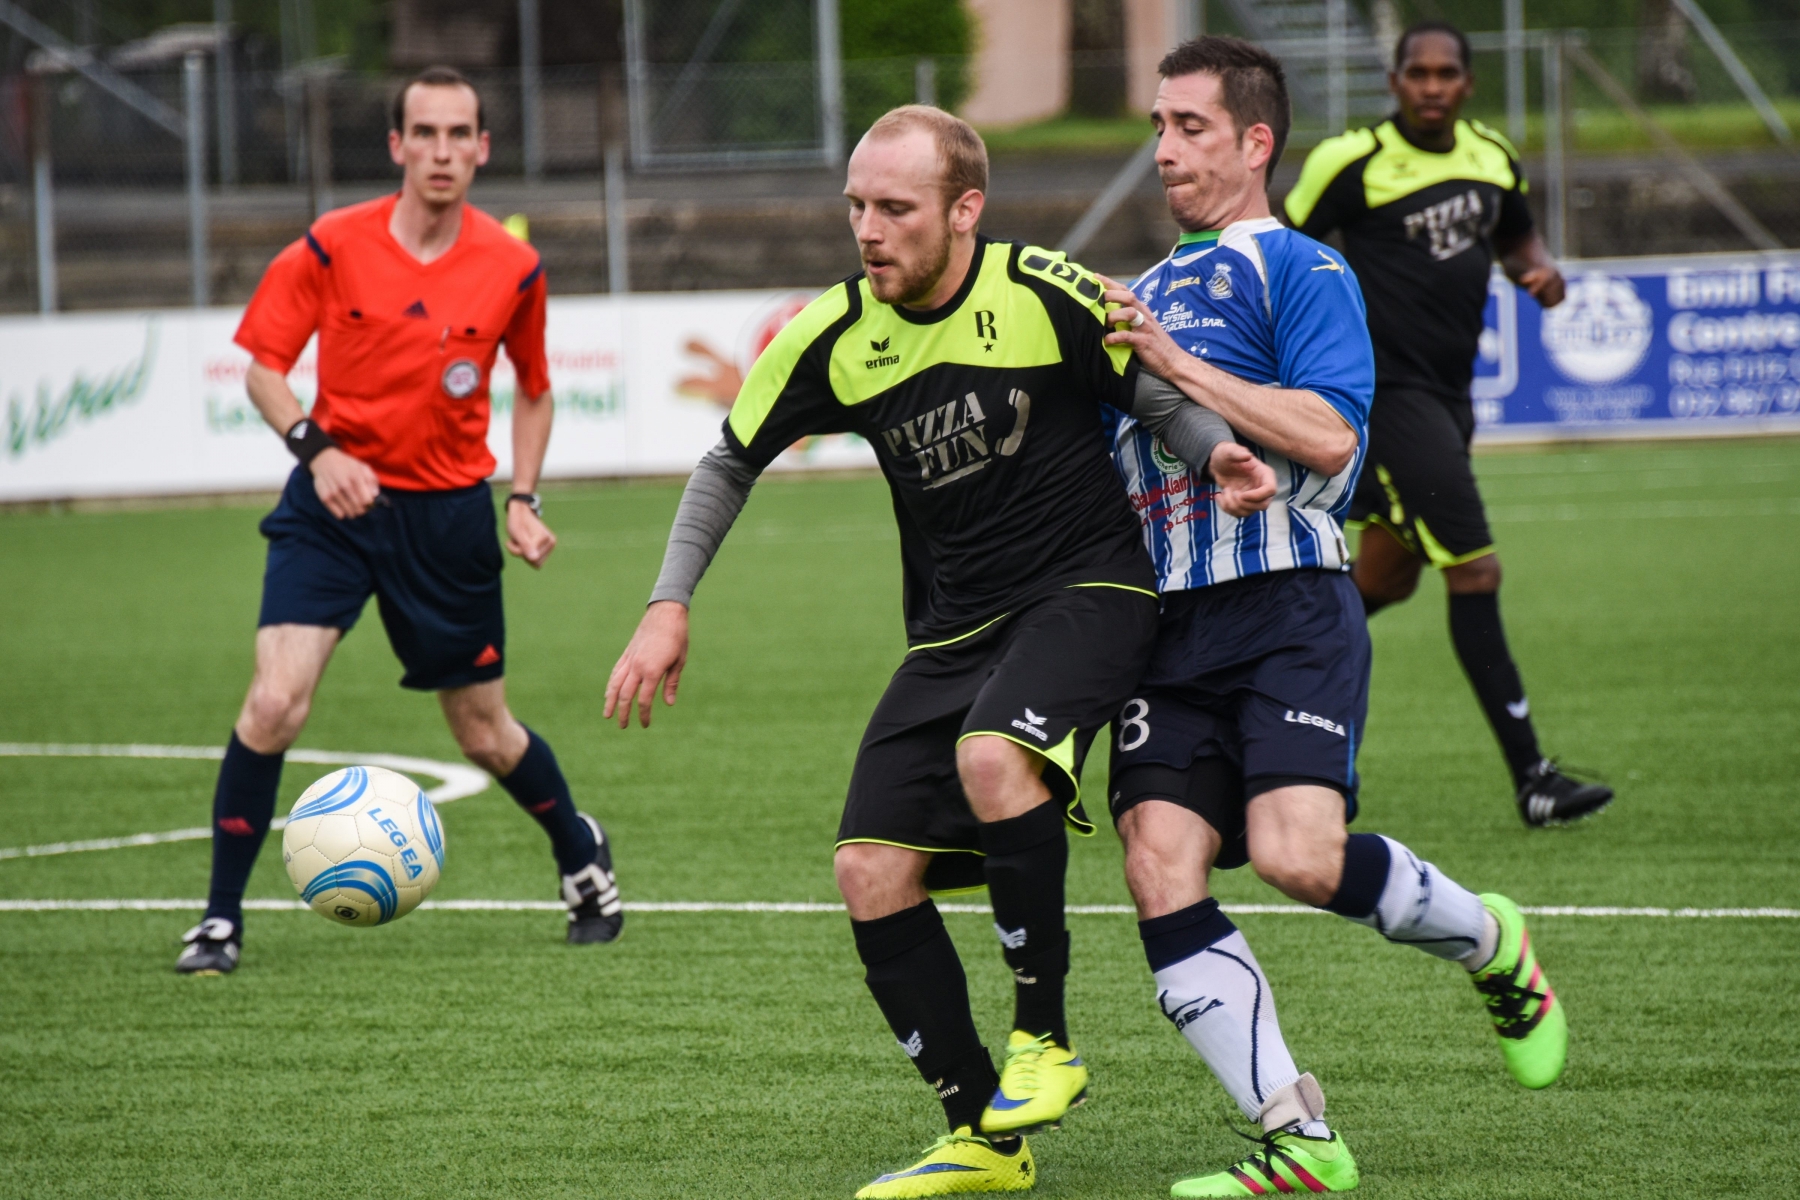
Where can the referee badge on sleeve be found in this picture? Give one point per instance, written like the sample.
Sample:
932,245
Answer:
461,378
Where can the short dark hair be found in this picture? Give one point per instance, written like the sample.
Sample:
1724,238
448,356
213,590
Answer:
435,77
1252,85
1444,27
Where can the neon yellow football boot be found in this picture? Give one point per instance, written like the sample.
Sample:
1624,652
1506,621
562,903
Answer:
1039,1084
1534,1032
956,1163
1287,1162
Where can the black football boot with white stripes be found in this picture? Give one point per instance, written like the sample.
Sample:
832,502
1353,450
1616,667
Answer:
213,947
595,911
1550,796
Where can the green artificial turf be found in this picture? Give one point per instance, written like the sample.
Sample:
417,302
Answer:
1650,601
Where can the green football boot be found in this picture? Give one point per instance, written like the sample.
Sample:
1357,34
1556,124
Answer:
1287,1162
1039,1083
1534,1032
954,1164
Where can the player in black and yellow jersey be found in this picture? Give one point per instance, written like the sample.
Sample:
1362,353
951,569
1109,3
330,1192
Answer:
1424,203
977,370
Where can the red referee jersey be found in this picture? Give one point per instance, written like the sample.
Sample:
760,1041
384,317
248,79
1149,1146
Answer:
405,348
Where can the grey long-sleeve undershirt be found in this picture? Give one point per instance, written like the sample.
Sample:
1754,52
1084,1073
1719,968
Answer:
721,482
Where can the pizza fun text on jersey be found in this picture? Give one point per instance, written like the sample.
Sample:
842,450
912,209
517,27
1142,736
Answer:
1273,307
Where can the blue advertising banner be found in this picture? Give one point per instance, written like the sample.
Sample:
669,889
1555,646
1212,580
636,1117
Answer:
1684,347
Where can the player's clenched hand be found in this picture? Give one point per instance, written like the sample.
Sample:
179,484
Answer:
347,487
1545,284
1246,482
527,536
1156,350
656,655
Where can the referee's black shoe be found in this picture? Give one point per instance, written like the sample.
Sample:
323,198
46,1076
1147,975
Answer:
1550,797
595,911
213,947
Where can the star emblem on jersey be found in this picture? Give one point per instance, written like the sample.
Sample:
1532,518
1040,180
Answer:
462,378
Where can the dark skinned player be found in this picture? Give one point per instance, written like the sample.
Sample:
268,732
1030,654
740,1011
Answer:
1425,203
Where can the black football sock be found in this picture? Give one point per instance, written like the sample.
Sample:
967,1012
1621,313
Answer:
1027,857
538,785
1480,642
916,978
243,806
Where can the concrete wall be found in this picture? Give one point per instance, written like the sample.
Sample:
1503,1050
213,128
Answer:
1021,70
1149,34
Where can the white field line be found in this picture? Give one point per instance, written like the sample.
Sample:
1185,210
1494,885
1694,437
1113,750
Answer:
459,781
782,906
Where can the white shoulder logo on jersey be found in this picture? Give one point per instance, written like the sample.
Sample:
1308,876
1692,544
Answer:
1329,264
1219,286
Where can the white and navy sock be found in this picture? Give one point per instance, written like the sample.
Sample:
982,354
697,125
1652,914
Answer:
538,786
1214,992
1405,899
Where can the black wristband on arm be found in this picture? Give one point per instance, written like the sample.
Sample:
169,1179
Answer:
306,440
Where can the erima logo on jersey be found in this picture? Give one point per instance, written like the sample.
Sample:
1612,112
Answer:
882,357
1306,718
1012,939
1219,286
914,1045
1520,708
1032,724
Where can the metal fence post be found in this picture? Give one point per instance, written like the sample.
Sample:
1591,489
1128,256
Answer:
1337,75
531,107
226,70
1515,72
925,81
318,139
618,270
193,93
1556,206
43,203
831,82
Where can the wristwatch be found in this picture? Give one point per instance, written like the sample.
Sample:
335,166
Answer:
529,499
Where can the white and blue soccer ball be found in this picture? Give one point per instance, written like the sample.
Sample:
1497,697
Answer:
363,846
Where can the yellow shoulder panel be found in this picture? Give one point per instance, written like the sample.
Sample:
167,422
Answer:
1327,160
1400,168
1053,266
769,374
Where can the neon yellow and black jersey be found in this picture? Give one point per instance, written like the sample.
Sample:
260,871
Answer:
1419,230
985,416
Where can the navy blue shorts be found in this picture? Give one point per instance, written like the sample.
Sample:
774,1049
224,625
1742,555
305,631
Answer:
1254,684
431,559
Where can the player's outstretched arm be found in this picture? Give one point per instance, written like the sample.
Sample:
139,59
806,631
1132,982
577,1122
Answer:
347,487
1202,438
1527,262
1246,483
715,494
654,659
1296,424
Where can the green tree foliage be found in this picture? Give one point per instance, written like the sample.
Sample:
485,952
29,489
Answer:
883,41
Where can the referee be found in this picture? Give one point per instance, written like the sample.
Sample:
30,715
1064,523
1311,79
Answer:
1425,202
411,296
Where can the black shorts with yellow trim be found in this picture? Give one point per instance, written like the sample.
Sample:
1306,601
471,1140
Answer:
1418,483
1049,676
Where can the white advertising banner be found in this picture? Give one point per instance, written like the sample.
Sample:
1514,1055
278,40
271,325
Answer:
153,403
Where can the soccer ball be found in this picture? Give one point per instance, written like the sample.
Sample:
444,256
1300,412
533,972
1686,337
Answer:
363,846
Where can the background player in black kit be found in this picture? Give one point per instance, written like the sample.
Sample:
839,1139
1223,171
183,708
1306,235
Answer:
1425,202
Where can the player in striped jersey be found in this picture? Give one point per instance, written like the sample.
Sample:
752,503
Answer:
1240,744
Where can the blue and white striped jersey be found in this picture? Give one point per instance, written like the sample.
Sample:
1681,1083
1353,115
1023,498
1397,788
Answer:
1271,306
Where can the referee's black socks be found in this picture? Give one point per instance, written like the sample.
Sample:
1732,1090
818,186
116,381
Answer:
915,976
1480,642
538,785
243,806
1027,857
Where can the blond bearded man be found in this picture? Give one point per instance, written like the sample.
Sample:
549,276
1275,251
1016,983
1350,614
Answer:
977,371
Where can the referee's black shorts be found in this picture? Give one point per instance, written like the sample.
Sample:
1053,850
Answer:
1048,676
1417,482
